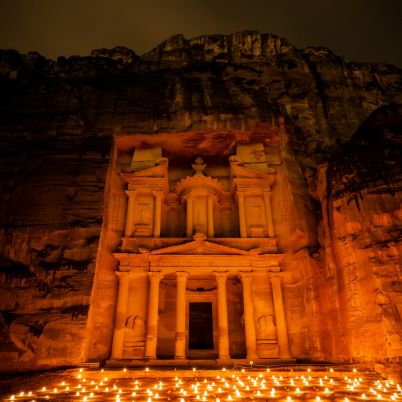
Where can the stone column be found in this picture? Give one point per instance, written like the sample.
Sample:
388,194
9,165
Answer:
180,347
130,212
210,212
157,213
280,318
189,217
120,315
268,213
242,214
223,327
251,341
152,323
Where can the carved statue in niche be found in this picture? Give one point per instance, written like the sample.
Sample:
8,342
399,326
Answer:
266,328
267,338
144,215
134,336
255,216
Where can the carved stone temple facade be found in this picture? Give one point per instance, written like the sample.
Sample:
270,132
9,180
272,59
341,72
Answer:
191,241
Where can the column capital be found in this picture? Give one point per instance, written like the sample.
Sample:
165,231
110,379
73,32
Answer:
240,193
275,278
182,275
212,196
130,193
158,193
187,197
244,275
221,274
155,275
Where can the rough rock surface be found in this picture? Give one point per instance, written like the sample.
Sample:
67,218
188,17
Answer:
57,121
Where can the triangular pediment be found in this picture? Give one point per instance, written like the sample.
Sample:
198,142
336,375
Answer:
200,247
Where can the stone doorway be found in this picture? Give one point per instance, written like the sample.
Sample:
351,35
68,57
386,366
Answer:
200,326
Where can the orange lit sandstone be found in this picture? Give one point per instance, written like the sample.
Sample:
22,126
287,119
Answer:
264,224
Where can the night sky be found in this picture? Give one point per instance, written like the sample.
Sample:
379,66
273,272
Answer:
360,30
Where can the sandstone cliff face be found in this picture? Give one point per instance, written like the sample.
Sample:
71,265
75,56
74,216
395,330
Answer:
57,121
364,218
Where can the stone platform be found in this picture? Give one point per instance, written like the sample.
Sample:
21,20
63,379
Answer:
190,363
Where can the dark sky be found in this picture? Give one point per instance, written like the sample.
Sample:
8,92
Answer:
361,30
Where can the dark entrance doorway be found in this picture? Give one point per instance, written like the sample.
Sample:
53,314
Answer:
200,326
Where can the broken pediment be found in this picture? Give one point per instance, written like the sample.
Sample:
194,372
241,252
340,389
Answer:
237,170
159,170
144,158
154,177
250,163
252,157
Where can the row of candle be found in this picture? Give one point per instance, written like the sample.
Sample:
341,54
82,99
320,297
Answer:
215,386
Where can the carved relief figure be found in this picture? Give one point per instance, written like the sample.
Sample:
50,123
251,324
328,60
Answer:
255,216
136,323
199,167
144,215
266,328
134,337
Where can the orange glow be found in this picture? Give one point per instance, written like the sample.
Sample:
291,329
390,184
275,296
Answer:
286,384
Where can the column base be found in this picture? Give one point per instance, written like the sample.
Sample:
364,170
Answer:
252,358
150,358
224,360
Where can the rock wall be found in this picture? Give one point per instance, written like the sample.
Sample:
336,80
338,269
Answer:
51,217
364,218
57,122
